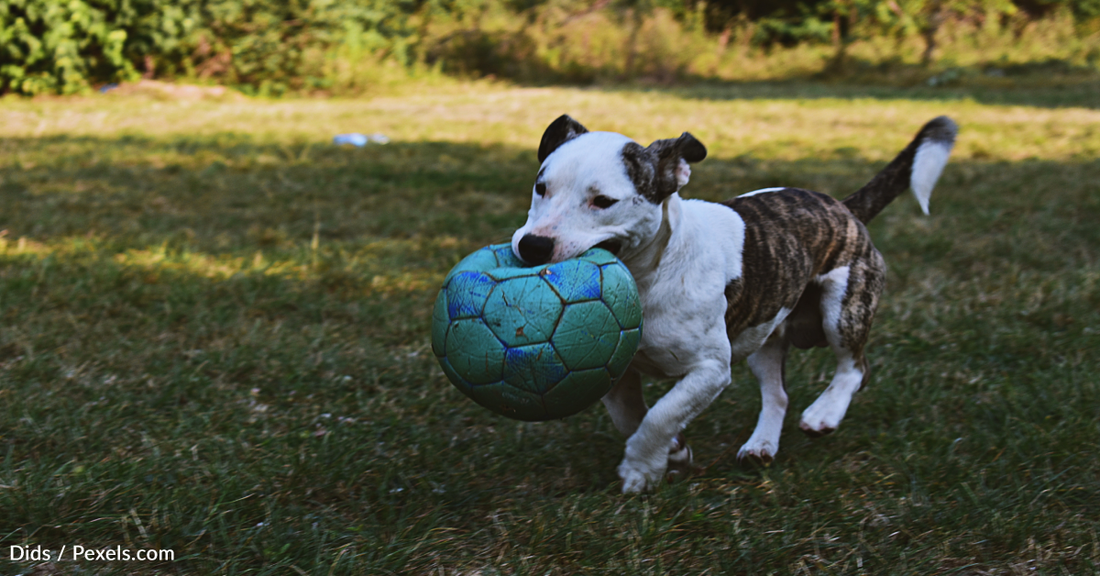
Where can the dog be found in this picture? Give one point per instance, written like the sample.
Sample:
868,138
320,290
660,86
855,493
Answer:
720,282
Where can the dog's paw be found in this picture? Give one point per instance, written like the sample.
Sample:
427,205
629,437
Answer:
642,470
758,451
815,431
639,479
818,421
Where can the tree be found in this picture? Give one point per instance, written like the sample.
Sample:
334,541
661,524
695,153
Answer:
926,17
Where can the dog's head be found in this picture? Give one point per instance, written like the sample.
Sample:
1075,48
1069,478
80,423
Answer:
600,189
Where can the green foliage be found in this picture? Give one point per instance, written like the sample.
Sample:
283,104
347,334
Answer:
1083,9
270,47
48,46
267,46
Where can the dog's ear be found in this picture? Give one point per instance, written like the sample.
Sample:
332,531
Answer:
673,156
559,132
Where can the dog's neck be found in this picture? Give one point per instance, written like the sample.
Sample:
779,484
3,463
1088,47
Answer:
645,260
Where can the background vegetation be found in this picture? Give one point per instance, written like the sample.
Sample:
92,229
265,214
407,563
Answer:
213,339
351,46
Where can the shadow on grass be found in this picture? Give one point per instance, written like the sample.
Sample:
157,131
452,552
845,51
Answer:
1076,94
1046,84
1051,83
227,194
395,217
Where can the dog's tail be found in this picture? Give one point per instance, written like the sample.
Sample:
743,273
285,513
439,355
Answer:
917,167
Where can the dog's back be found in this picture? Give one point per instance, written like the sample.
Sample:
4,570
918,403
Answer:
792,237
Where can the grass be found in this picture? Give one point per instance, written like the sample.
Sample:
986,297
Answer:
213,339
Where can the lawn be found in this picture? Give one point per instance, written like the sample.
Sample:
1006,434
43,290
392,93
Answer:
214,340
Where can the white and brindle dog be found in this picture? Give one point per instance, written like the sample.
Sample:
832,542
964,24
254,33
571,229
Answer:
720,282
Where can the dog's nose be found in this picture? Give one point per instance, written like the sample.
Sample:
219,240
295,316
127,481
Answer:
536,250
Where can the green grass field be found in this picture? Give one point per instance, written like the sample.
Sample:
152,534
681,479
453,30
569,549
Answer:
214,340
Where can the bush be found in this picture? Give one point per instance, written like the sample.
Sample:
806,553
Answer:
266,46
53,47
275,46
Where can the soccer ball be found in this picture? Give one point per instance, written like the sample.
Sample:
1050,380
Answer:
536,343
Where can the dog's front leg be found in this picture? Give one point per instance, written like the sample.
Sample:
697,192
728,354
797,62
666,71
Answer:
647,450
626,405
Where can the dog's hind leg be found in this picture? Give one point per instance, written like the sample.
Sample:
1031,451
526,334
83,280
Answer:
848,300
627,407
767,364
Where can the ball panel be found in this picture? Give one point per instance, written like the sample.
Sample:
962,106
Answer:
507,273
466,294
599,257
586,336
574,280
511,402
477,261
523,311
621,295
440,321
628,345
505,257
577,391
534,369
474,352
456,378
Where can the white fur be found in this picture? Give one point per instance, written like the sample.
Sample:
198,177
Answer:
767,365
573,173
835,286
928,164
762,191
825,414
751,339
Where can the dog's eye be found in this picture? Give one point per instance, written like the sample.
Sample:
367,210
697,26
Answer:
540,189
602,202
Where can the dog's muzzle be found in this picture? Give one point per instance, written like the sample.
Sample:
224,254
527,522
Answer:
536,250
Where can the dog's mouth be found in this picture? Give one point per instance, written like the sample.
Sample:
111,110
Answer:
611,245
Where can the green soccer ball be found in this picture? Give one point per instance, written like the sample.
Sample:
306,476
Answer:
536,343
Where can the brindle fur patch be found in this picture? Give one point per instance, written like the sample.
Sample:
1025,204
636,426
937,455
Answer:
793,236
640,168
653,169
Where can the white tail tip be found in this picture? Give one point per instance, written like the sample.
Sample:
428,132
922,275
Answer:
928,164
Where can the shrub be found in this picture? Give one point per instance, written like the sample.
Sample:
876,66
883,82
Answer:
66,47
56,47
274,46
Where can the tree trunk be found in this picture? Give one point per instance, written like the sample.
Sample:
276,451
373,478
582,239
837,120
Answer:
842,38
935,19
724,39
632,42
